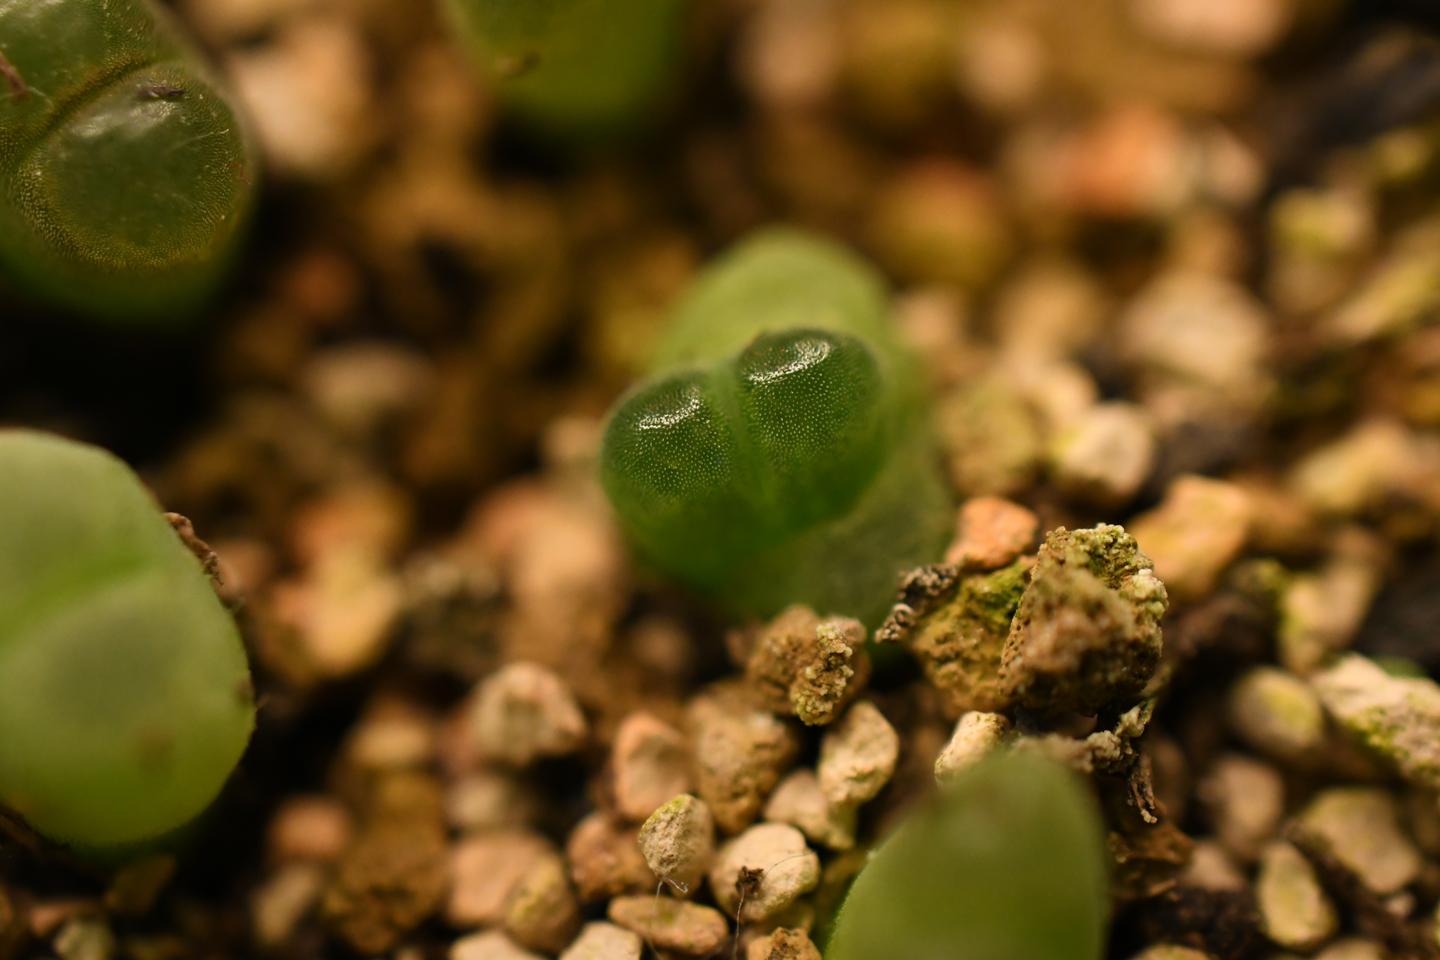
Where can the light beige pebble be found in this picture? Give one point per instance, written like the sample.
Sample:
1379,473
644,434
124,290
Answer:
1244,800
1397,718
740,755
605,859
678,842
1233,28
1294,911
1167,951
1359,826
977,734
990,532
788,870
490,800
1321,612
1278,714
1211,868
650,765
1352,949
485,869
522,713
858,755
315,828
677,925
492,945
1105,454
786,943
279,904
800,802
1194,534
307,96
541,912
85,938
604,941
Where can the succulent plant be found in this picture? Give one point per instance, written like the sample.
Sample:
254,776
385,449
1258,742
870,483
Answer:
125,696
1007,864
125,175
575,69
782,453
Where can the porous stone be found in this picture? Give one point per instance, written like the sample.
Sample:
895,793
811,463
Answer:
1086,632
491,945
976,735
1294,911
678,842
1105,453
604,941
1196,532
485,869
685,928
858,756
741,753
1397,718
786,943
991,532
541,911
1278,714
523,713
760,873
800,802
605,859
650,765
1245,800
807,666
1360,828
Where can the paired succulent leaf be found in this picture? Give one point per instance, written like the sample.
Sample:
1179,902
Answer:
1008,864
125,697
787,459
125,176
575,69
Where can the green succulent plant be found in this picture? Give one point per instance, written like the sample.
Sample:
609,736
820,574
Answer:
1008,864
781,453
125,175
575,69
125,696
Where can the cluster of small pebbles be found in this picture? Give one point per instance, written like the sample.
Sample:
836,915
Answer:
1171,265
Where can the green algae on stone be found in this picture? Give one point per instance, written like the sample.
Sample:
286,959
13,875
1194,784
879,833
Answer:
1397,718
1086,633
961,640
125,696
1008,864
576,69
125,175
781,454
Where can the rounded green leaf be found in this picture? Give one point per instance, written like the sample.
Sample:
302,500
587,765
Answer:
1008,864
125,176
125,696
789,460
576,69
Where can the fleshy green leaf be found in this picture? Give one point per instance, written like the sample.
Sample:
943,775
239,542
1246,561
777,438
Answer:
125,175
125,696
782,455
1008,864
576,69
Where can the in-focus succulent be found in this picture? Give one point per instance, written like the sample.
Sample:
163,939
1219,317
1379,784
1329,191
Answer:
575,69
125,697
125,176
781,454
1007,864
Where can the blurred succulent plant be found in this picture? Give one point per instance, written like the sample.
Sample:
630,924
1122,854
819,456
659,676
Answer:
1008,864
125,176
575,69
782,453
125,696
